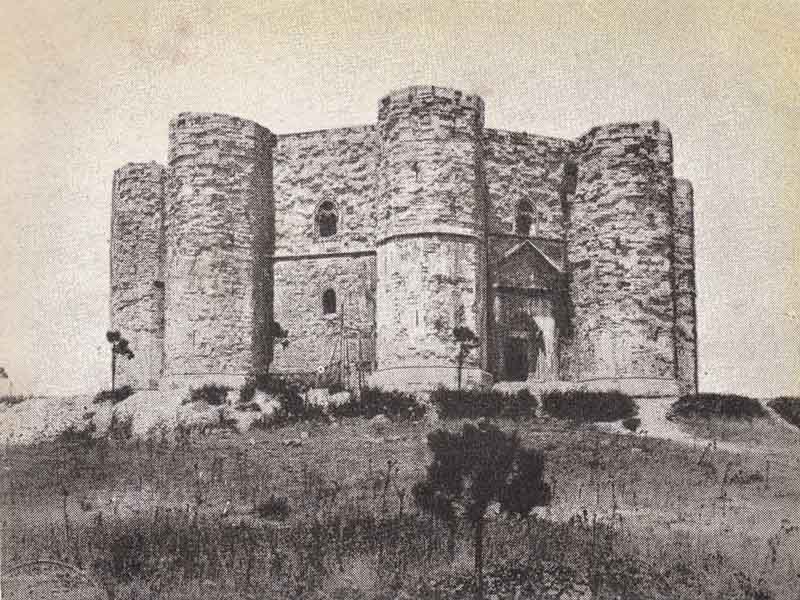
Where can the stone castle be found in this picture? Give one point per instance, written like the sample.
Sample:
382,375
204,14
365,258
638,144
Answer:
571,260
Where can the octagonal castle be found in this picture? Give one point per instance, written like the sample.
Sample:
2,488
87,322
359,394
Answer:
571,260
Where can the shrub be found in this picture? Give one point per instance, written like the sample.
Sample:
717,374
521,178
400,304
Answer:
631,423
475,467
787,407
376,401
274,507
113,396
12,399
120,428
585,406
214,395
709,406
473,404
78,435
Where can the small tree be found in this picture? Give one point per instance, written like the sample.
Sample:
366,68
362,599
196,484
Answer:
279,335
467,342
119,346
474,468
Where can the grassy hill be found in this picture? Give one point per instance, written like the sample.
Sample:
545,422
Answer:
206,516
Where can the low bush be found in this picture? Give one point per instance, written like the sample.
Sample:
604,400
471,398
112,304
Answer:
274,507
12,399
113,396
214,395
375,401
709,406
787,407
120,428
78,435
474,404
631,423
585,406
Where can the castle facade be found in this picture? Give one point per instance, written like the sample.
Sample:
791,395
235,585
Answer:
571,260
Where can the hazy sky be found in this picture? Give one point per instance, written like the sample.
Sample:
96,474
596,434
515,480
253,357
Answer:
87,86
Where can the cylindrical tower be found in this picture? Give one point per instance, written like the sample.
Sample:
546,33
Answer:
619,250
219,235
431,246
685,293
137,290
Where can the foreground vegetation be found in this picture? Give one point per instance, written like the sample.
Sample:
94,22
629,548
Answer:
232,515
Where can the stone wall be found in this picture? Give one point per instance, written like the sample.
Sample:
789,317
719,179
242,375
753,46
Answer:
336,165
219,234
137,291
619,255
314,337
685,293
521,166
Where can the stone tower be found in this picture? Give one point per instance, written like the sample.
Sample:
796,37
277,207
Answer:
685,311
219,231
430,238
137,289
619,250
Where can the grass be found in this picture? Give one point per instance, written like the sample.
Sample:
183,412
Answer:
630,516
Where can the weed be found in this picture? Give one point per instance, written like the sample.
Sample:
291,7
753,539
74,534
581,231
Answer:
274,507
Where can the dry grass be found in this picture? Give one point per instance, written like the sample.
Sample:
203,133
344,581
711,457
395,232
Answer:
630,515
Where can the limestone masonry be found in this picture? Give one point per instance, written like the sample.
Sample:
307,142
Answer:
572,260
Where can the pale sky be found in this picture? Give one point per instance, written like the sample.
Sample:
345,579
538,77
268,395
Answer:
86,86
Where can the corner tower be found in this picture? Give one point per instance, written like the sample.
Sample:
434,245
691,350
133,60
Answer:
219,235
431,246
619,247
137,281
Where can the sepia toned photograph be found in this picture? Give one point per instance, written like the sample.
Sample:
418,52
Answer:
400,300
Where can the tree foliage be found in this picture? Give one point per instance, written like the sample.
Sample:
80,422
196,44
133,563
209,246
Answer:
475,467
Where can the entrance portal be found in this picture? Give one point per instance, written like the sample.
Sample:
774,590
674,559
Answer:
516,358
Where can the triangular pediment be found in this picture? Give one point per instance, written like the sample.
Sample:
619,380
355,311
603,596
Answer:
525,266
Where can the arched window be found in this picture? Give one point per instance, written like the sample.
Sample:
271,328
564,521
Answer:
327,219
329,302
525,219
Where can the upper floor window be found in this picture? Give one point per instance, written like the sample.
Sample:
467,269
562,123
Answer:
327,219
328,302
525,221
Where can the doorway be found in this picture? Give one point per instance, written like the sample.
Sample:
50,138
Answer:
516,358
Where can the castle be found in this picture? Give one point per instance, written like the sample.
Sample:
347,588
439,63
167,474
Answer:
571,260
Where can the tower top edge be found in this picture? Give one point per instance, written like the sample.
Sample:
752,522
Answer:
130,169
413,93
651,127
189,118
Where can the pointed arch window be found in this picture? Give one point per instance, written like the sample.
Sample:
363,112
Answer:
524,222
329,302
327,219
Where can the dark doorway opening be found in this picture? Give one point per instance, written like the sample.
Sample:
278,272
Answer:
516,358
